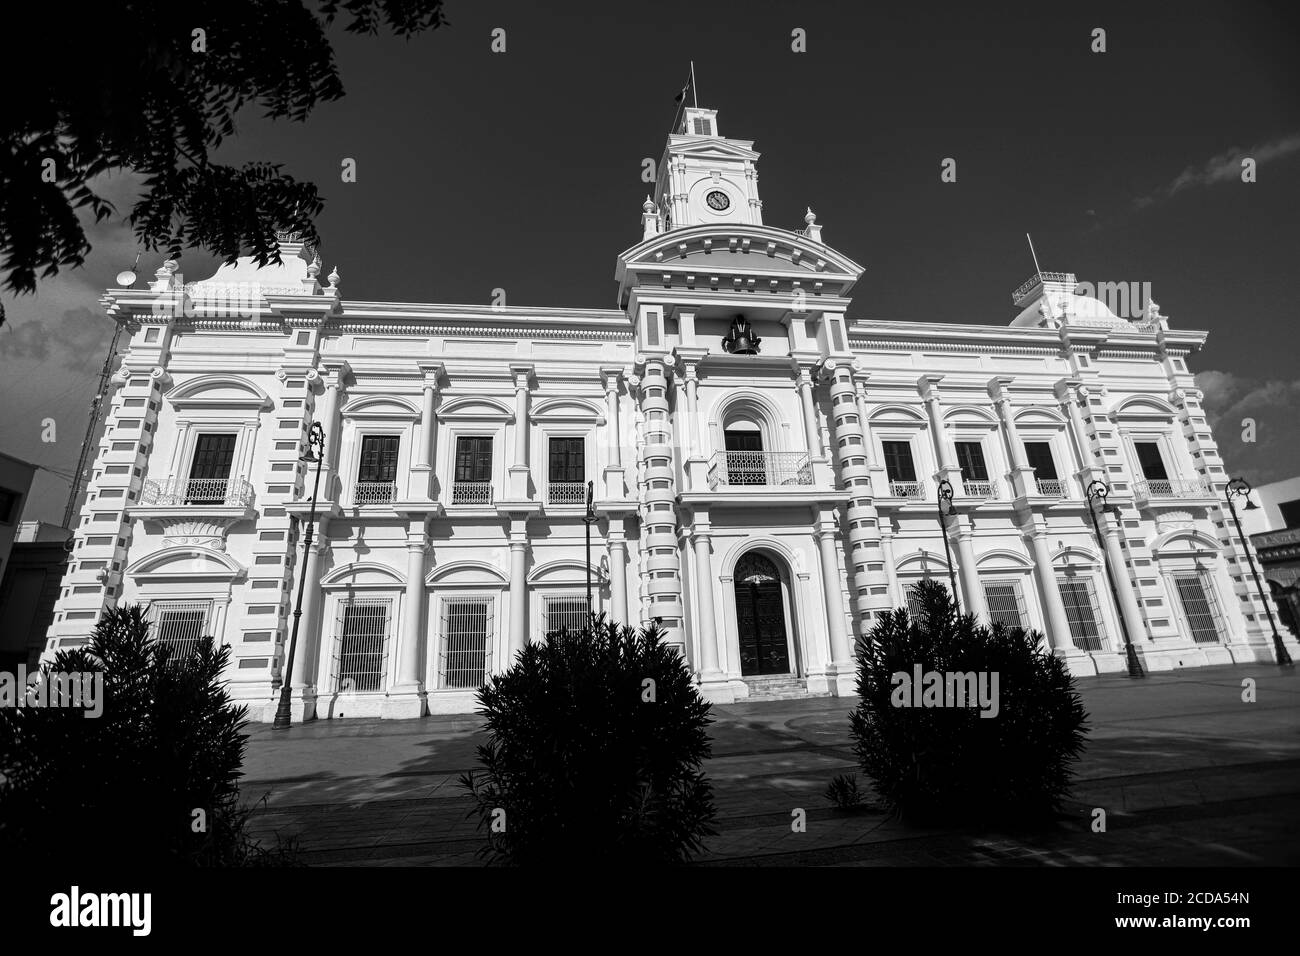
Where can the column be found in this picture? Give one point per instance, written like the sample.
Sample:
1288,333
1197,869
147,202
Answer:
659,517
306,653
1057,624
1128,605
812,433
970,579
841,654
413,613
1067,396
928,386
518,472
424,451
692,412
706,631
869,588
896,597
1023,480
518,588
609,377
618,574
327,413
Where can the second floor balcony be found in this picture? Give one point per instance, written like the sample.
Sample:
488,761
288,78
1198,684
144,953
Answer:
1052,487
728,469
984,490
471,493
197,492
566,493
374,492
1171,489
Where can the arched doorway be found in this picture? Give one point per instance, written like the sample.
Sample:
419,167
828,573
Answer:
760,617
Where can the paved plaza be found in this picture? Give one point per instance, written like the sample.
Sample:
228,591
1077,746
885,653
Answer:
1188,773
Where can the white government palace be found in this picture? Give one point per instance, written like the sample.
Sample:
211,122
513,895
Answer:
765,468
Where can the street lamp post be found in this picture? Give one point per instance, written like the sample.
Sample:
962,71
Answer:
589,519
1240,488
315,453
1097,492
945,495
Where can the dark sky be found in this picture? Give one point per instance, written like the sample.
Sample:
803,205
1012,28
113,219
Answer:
522,170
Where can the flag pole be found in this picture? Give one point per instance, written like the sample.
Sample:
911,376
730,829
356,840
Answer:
695,93
1037,270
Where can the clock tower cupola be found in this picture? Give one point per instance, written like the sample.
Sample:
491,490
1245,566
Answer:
705,178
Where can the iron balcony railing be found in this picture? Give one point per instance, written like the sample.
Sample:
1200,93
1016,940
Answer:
471,492
1173,488
566,493
731,468
374,492
1052,487
980,489
232,492
907,489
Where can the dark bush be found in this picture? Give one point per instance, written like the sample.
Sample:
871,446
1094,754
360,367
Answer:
843,791
128,782
947,764
587,760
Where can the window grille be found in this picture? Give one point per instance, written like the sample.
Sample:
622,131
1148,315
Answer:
182,625
563,612
364,626
1006,604
1199,606
466,637
1079,596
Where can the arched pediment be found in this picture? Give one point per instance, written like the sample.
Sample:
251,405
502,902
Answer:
467,572
896,413
1003,558
567,409
380,406
363,574
737,247
186,562
224,391
1039,415
564,571
1184,541
1074,554
921,562
774,548
746,400
1144,406
970,413
476,408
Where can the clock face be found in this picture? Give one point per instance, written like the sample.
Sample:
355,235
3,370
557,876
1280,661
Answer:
718,200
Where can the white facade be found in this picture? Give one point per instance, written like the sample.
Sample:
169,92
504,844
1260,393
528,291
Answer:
766,508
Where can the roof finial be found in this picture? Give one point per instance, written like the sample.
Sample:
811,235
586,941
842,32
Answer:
333,278
811,217
648,205
313,269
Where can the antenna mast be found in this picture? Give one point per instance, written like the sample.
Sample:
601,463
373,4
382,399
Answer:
96,408
1037,271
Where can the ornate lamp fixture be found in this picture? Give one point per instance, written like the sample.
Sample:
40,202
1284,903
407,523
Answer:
740,338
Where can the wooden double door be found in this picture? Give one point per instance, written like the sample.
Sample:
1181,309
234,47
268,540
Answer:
760,617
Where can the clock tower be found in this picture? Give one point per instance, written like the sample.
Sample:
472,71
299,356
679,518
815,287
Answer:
705,179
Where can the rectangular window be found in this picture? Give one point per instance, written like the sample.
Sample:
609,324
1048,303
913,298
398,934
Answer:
1082,611
1290,513
466,631
1196,594
899,465
567,460
473,458
564,612
8,506
1006,604
970,458
210,468
1150,461
180,624
1039,455
702,127
362,646
378,458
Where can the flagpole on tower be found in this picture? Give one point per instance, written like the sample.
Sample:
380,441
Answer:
695,93
1037,271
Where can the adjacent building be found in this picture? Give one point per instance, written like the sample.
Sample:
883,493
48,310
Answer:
763,464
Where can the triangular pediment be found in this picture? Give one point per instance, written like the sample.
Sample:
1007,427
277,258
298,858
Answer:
705,147
739,249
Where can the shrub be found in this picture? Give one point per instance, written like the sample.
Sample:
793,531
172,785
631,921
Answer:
949,764
129,781
596,741
843,791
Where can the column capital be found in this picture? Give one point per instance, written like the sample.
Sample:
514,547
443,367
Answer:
1068,390
432,372
928,387
999,388
522,373
609,377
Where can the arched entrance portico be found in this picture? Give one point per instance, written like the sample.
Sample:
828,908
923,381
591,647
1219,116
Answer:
762,617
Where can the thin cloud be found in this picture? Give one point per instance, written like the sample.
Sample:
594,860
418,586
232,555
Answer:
1225,167
1238,407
